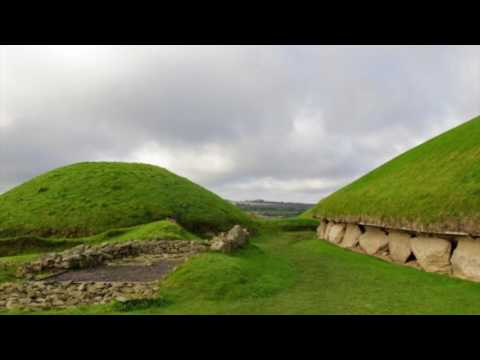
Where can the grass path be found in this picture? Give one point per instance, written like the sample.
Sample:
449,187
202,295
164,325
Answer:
294,273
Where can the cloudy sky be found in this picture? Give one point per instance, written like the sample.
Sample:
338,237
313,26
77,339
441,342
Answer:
287,123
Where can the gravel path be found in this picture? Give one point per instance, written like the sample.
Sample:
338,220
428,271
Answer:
124,273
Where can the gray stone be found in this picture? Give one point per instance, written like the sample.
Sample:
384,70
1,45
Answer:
336,233
466,259
399,246
373,240
321,229
327,229
221,245
237,237
433,254
352,234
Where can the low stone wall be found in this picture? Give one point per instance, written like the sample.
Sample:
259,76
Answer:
457,256
39,295
87,256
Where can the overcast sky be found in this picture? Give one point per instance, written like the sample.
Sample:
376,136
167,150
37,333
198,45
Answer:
286,123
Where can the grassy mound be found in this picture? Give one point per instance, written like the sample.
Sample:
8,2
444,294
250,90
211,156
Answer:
249,273
158,230
89,198
433,187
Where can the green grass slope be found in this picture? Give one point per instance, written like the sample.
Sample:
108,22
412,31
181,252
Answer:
433,187
89,198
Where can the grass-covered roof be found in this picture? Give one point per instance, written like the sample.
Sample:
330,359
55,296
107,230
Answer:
432,187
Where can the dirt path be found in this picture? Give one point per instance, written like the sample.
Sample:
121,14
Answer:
124,273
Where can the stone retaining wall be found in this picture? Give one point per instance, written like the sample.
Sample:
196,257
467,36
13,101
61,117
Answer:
39,295
453,255
86,256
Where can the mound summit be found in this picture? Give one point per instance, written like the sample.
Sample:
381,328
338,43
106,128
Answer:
91,197
434,187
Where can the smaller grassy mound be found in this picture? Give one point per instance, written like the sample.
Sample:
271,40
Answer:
88,198
249,273
158,230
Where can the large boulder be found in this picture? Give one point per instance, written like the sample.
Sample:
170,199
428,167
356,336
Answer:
373,240
327,229
336,233
433,254
352,234
466,259
399,246
237,237
321,229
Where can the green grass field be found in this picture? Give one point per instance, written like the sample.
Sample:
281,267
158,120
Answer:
292,272
433,187
89,198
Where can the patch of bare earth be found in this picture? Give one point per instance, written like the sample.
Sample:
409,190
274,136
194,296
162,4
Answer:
127,272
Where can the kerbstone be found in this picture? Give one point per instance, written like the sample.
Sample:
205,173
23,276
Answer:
466,259
352,234
399,246
336,233
432,253
328,229
373,240
321,229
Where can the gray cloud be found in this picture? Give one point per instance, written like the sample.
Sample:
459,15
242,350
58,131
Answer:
277,122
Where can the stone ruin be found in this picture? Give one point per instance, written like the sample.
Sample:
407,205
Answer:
87,256
45,295
450,254
40,291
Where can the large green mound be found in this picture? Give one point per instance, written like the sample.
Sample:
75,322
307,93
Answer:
88,198
432,187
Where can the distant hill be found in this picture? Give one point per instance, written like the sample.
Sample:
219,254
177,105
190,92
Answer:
272,208
91,197
433,187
